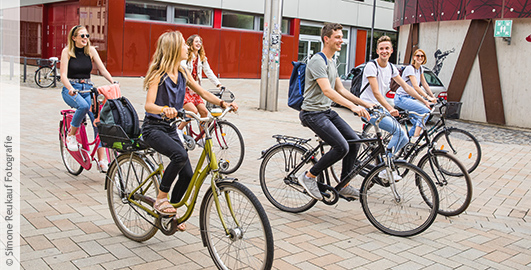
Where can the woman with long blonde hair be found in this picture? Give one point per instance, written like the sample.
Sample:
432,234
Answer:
76,65
166,83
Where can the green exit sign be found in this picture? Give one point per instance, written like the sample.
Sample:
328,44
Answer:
503,28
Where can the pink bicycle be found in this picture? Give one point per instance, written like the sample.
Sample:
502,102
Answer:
76,161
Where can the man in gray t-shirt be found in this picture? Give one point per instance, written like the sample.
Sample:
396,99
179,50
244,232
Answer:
322,86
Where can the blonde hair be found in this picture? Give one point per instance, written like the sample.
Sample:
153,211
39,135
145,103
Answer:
201,52
166,57
71,44
384,39
415,53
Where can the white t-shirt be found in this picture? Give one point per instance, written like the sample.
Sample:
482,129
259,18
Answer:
384,78
409,71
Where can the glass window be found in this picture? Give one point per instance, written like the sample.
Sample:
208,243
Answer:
431,78
144,11
237,20
377,35
316,31
284,28
193,15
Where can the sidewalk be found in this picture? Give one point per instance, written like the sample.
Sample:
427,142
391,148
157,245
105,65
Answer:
66,222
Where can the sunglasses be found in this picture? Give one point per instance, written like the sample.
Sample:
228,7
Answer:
84,35
419,56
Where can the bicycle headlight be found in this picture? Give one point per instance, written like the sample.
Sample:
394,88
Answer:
216,112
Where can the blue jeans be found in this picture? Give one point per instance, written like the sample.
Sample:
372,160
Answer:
81,102
392,126
409,103
332,129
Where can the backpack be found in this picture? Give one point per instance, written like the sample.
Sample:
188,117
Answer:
393,86
355,87
120,112
296,83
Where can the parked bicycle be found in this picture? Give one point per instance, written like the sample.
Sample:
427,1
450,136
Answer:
228,143
403,208
47,74
233,224
76,161
458,142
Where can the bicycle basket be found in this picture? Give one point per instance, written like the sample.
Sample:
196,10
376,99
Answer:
114,136
453,110
227,96
44,62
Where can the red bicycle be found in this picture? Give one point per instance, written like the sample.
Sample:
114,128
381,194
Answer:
76,161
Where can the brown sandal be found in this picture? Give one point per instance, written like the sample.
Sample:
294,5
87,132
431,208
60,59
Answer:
161,208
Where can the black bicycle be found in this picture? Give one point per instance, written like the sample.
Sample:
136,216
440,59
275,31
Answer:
401,208
47,73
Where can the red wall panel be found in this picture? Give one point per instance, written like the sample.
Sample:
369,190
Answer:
427,10
361,47
452,10
517,9
250,55
480,9
155,32
115,36
136,53
410,12
229,51
211,39
286,56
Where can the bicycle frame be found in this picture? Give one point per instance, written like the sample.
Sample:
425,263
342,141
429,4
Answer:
84,157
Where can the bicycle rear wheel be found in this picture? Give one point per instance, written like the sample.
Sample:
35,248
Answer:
126,174
452,180
227,142
406,214
248,241
281,188
462,144
71,164
44,77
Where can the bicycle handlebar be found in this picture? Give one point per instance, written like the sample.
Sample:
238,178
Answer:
182,116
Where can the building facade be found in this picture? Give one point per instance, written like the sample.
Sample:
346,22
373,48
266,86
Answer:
486,73
125,31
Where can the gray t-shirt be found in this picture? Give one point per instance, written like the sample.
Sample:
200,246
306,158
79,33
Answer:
384,78
314,98
409,71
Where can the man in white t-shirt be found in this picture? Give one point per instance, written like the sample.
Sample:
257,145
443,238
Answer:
379,74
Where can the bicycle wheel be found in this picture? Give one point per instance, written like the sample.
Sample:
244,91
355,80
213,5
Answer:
248,241
71,164
452,180
462,144
44,77
227,142
406,213
281,188
126,174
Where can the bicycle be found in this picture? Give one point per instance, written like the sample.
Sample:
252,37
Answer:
228,140
47,74
403,208
76,161
457,141
234,226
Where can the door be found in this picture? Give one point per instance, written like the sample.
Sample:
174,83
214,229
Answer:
307,48
61,18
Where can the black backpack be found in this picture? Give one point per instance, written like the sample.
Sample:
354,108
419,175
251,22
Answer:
355,87
121,112
296,83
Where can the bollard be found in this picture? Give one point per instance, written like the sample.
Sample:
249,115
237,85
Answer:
54,74
25,66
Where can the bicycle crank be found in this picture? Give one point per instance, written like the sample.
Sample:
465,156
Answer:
168,226
330,194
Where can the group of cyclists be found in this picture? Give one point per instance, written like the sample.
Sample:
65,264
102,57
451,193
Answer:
173,82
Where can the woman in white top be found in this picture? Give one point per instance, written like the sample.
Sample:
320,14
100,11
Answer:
196,64
414,101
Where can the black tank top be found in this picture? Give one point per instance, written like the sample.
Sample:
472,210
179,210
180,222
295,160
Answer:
80,66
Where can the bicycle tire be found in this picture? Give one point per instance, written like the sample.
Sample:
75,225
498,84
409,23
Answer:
451,179
408,217
72,166
44,77
275,180
462,144
228,145
125,174
249,244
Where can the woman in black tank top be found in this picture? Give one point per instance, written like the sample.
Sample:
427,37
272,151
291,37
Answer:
166,82
76,65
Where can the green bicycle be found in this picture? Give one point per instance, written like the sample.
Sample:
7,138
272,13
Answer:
234,225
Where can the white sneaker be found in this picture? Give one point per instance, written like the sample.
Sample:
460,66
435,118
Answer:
104,165
71,143
383,175
180,133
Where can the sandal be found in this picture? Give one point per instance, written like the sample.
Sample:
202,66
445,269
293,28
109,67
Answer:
161,208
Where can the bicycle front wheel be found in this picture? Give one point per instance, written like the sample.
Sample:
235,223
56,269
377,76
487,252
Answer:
125,174
247,242
227,142
44,77
71,164
452,180
462,144
406,212
280,187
